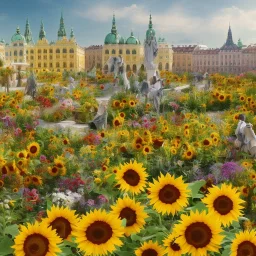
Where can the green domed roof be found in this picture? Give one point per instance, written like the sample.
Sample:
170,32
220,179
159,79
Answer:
132,40
17,36
114,37
2,41
150,32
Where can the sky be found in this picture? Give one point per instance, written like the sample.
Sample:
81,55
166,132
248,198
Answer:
180,22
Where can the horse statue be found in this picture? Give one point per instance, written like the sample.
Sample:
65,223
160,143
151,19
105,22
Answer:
249,143
100,120
31,86
116,65
152,91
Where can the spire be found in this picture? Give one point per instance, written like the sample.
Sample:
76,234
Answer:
18,30
62,30
28,33
42,32
150,25
72,35
114,30
132,33
229,38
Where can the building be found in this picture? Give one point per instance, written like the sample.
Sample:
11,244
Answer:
93,57
63,55
131,49
164,57
182,58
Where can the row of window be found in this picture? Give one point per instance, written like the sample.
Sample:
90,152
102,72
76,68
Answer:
121,52
71,65
46,51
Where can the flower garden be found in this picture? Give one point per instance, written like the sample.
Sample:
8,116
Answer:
147,185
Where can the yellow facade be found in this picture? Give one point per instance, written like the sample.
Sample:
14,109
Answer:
164,57
93,57
63,55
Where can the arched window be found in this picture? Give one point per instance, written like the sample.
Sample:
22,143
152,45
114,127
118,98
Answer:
64,50
64,64
106,69
113,51
142,68
45,51
106,51
31,52
15,53
127,51
20,44
57,50
134,52
14,44
134,68
21,52
128,68
39,51
71,50
160,66
71,65
50,50
57,65
167,66
120,51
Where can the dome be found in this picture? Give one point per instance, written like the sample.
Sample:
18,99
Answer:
17,36
2,41
150,32
112,38
132,40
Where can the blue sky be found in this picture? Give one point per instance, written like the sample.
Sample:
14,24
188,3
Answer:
179,21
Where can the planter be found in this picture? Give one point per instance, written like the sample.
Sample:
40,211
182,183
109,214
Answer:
82,117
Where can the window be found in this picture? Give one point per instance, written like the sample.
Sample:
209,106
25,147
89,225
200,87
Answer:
64,64
45,51
50,51
31,52
45,65
15,53
31,57
50,65
71,50
21,44
106,51
127,51
14,44
133,51
39,65
120,51
57,50
71,65
113,51
39,51
57,65
27,52
64,50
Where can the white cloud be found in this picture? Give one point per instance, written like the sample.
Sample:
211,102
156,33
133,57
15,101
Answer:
175,22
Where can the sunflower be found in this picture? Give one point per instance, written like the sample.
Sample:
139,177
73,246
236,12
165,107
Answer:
33,149
62,219
132,177
244,191
22,154
133,213
53,171
99,233
150,248
244,244
132,103
122,115
5,170
172,247
206,142
188,154
27,181
197,233
146,150
36,240
224,204
65,141
137,146
168,195
222,97
36,180
117,122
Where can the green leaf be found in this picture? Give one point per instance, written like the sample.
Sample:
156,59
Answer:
66,251
226,252
135,237
195,187
12,230
5,246
111,179
200,206
49,204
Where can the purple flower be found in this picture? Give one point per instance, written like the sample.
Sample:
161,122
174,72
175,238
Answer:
17,131
43,158
102,199
91,202
230,169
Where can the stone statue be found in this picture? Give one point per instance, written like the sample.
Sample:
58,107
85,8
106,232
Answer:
71,84
150,49
31,85
249,143
100,120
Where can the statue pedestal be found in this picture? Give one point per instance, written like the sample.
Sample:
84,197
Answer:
150,73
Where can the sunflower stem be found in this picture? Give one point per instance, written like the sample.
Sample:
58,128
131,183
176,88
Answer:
160,219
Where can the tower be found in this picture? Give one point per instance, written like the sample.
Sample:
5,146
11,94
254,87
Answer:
72,35
62,30
28,34
42,32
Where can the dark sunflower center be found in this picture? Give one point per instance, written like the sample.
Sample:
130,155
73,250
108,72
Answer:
169,194
130,216
175,247
223,205
33,149
36,245
147,150
149,252
246,248
99,232
131,177
21,155
60,165
117,123
198,235
206,142
62,226
189,153
4,170
54,170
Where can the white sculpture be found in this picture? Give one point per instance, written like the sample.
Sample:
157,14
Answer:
100,120
150,49
249,143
